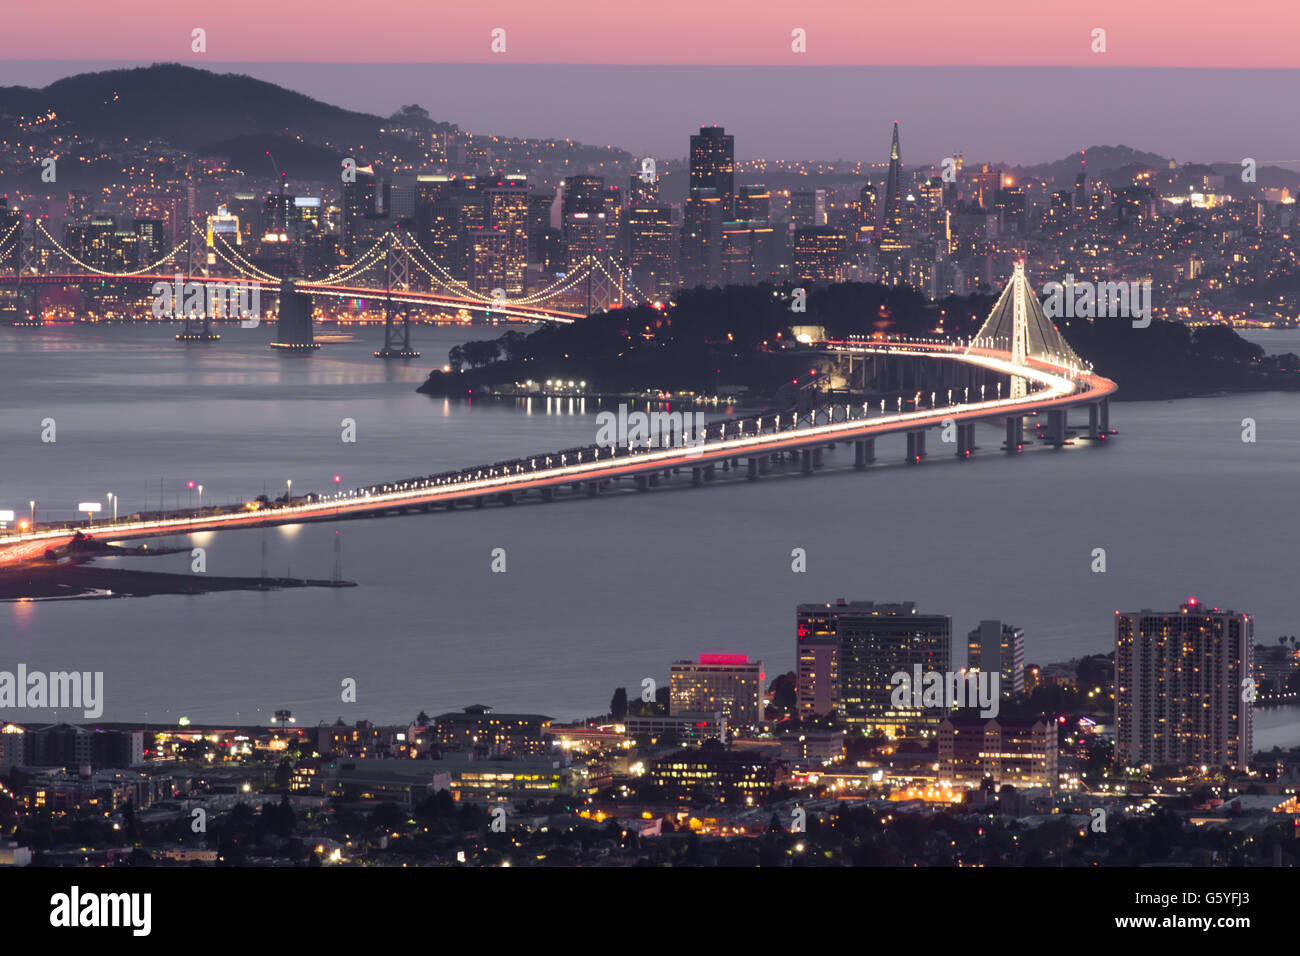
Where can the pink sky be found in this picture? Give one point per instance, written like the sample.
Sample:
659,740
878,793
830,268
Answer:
1160,33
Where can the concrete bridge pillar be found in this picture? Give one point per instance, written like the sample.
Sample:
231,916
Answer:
764,464
1104,412
478,502
1057,421
653,479
864,450
709,472
548,494
965,439
506,497
1015,435
915,447
817,457
1094,421
642,482
807,465
696,477
593,489
752,471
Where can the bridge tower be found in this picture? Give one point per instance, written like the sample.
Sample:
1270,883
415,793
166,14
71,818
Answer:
604,291
27,262
1019,329
397,272
196,271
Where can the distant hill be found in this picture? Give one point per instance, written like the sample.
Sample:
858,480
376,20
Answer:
1101,160
194,110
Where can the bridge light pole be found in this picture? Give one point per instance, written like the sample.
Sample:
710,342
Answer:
32,505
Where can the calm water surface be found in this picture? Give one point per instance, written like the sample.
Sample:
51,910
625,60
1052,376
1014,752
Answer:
598,593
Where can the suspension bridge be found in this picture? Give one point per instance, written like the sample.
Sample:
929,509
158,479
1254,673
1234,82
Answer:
394,269
1017,347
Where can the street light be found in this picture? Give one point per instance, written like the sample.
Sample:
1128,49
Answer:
288,495
32,505
200,497
113,498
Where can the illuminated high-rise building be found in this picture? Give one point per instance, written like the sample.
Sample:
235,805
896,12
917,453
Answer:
998,647
818,254
1179,687
505,203
652,249
872,642
891,219
754,202
731,684
584,226
702,238
713,165
358,204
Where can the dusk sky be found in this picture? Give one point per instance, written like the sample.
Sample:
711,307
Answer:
999,80
1247,33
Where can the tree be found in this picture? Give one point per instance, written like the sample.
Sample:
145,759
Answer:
618,704
412,115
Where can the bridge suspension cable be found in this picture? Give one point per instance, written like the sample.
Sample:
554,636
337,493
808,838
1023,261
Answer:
102,272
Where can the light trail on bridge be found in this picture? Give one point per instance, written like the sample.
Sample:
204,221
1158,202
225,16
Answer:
1058,388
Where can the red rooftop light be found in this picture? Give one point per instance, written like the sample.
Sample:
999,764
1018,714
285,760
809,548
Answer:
724,658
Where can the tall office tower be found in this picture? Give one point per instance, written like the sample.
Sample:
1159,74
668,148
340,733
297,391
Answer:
868,213
754,202
818,255
701,262
248,210
652,249
151,238
539,222
399,197
802,209
489,260
713,165
583,219
817,678
505,204
613,218
994,646
1178,687
892,267
872,643
642,191
891,219
438,201
358,205
730,684
748,251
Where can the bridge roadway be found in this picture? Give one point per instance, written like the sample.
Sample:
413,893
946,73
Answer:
1052,389
427,299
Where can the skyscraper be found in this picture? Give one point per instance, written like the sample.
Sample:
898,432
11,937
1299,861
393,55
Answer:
713,164
709,204
872,643
998,647
584,218
891,268
730,684
652,249
1178,687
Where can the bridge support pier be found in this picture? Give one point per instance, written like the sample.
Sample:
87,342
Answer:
1057,421
915,447
709,472
752,471
864,450
478,502
817,457
807,465
965,439
506,497
653,480
696,477
1015,435
1094,422
593,489
548,494
764,464
642,482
